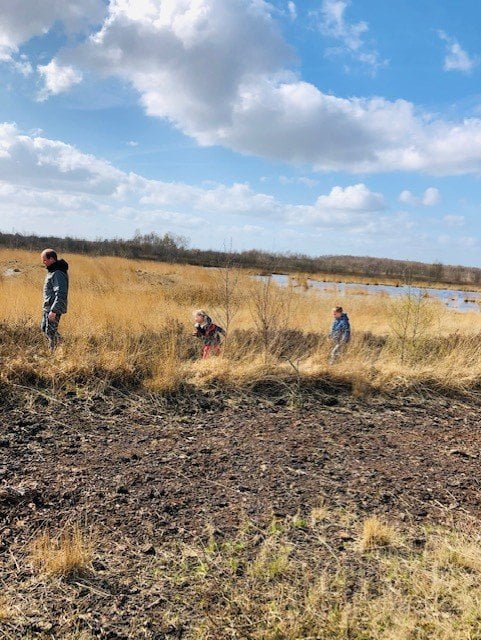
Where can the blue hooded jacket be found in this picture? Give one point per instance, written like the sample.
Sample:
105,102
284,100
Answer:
341,329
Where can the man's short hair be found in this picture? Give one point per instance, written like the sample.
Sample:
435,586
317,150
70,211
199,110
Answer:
50,253
338,309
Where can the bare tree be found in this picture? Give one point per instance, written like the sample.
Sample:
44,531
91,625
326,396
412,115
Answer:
227,277
271,308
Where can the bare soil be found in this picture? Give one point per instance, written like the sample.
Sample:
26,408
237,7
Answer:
143,473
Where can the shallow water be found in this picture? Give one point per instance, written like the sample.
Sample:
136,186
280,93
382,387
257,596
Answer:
451,298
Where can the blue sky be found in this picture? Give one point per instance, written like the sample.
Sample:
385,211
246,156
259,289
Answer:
315,126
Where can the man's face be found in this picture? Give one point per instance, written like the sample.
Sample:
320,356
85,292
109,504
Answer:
47,261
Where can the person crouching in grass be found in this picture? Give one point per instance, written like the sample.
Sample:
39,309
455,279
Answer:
210,334
340,333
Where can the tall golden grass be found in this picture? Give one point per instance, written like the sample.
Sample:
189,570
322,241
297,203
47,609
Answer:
130,321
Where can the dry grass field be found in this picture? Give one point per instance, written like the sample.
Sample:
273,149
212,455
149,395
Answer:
129,323
289,499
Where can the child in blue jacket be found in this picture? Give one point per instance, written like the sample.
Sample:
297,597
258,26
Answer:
340,333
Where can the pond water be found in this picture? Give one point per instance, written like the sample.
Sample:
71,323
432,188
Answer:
451,298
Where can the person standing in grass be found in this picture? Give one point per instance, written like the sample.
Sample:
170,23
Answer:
340,333
55,295
210,334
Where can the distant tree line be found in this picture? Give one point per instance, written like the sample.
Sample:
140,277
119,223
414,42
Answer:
174,248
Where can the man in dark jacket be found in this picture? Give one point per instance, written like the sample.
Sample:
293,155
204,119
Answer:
340,333
55,294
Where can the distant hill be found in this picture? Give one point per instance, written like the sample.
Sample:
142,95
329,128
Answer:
172,248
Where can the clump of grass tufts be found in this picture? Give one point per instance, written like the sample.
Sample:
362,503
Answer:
318,514
376,534
272,561
458,554
68,554
5,611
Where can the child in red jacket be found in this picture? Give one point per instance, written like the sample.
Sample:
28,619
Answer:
209,333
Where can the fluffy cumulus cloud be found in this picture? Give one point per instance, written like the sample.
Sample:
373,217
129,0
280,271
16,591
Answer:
429,198
219,71
44,177
353,206
57,79
21,21
354,198
456,58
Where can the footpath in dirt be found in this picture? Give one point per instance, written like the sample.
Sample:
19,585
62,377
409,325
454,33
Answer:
132,466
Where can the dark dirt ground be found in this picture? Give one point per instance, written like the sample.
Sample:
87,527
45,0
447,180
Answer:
143,473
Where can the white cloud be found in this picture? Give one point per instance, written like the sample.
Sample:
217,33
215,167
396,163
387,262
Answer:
132,143
351,35
57,78
217,71
291,6
456,59
429,198
353,206
43,177
454,220
236,199
354,198
406,197
20,21
153,216
464,242
37,162
22,65
335,25
308,182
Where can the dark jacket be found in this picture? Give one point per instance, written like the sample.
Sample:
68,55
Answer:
209,333
341,329
55,290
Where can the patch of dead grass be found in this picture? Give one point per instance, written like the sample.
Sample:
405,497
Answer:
69,553
376,534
